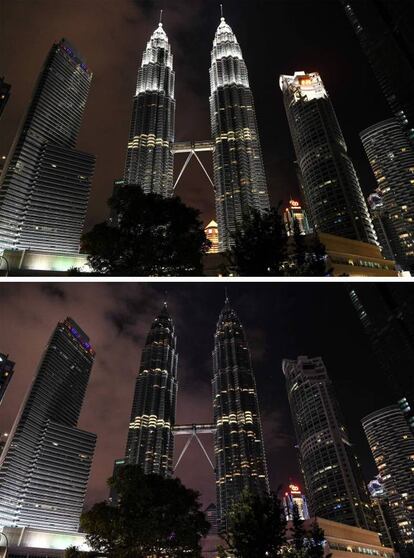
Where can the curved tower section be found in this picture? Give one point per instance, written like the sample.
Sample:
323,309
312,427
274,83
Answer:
149,162
150,436
239,175
239,449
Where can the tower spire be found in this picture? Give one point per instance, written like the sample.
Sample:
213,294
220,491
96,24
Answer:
160,22
226,296
222,11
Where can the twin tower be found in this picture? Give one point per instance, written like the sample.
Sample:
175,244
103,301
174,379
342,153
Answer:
239,176
238,441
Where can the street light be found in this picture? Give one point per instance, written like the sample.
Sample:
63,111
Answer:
7,544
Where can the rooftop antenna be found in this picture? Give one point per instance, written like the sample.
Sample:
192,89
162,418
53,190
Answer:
161,17
222,11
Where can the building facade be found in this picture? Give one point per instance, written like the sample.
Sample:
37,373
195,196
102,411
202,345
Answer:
333,196
384,31
211,232
295,214
333,480
150,441
391,157
45,465
239,175
238,443
294,497
6,373
45,183
392,446
386,525
4,94
149,161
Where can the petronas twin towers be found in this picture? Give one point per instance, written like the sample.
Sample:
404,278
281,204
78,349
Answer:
239,176
238,441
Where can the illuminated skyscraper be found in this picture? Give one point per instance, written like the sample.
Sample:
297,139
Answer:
45,183
4,94
334,485
391,157
295,214
384,30
239,175
149,161
211,232
6,373
294,497
239,450
386,525
150,441
333,196
45,465
392,445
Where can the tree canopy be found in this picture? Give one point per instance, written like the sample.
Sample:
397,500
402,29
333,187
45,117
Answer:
149,236
154,516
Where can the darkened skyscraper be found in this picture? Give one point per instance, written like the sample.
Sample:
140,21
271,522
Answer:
387,316
45,184
331,189
45,465
384,30
4,94
149,162
6,373
239,450
391,157
392,445
334,485
239,175
150,436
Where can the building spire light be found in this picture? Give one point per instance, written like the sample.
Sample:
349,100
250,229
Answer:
160,22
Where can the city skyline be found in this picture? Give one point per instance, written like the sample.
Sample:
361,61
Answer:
119,326
192,86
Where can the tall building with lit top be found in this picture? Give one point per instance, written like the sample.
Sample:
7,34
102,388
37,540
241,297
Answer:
211,232
45,465
294,213
294,497
45,183
150,441
6,373
149,161
333,196
239,176
392,446
4,94
238,444
333,479
391,157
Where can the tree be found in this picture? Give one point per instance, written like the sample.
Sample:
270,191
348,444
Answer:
154,516
256,527
259,245
298,530
315,541
150,236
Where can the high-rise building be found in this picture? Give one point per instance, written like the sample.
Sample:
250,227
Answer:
294,213
211,232
45,183
391,157
239,176
386,314
239,449
388,239
333,479
386,525
150,441
333,196
4,94
45,465
384,31
294,497
149,161
392,445
6,373
211,515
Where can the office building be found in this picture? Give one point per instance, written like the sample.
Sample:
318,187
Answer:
295,215
211,232
386,525
239,175
149,161
391,157
45,465
45,184
294,497
392,446
150,441
332,194
333,479
6,373
238,443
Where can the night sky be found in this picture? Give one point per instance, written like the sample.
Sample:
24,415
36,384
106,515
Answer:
276,36
281,321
